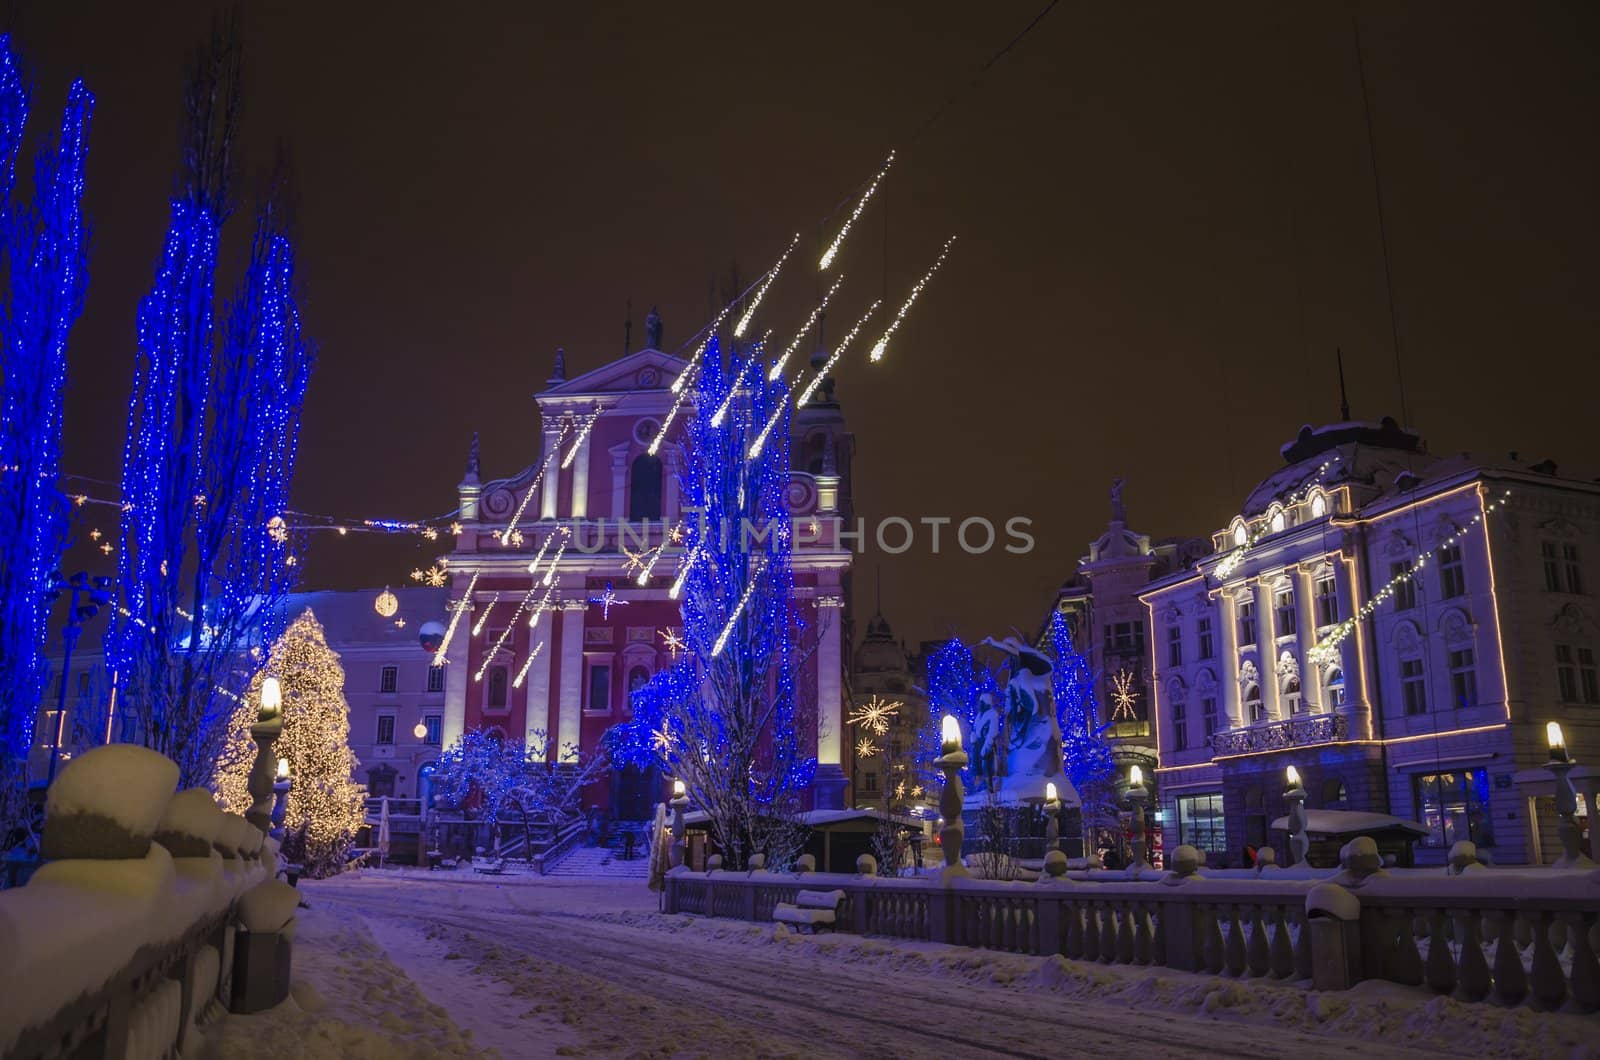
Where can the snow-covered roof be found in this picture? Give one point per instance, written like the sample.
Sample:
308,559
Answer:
1350,822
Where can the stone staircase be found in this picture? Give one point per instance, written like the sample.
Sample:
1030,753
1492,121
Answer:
600,861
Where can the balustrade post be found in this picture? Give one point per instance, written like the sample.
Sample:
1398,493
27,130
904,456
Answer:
1049,920
860,907
1441,969
1585,969
1510,981
1182,938
1472,969
1125,933
1259,959
940,903
1548,981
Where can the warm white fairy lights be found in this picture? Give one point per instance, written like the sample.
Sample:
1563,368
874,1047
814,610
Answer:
655,555
683,573
1231,561
541,607
727,401
861,204
533,487
838,351
866,748
911,299
876,715
583,435
477,627
672,413
805,329
1123,695
549,575
733,619
450,630
1326,651
527,664
761,439
500,641
761,292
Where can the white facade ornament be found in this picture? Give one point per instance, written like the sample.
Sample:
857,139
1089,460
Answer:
1288,665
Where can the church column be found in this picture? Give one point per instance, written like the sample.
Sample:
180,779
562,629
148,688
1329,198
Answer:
1267,648
669,483
1305,615
456,679
580,479
619,483
570,706
539,683
1230,653
550,486
831,778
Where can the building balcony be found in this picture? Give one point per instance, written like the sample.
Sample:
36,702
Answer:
1299,731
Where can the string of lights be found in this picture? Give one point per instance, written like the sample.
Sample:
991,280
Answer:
455,619
776,370
761,292
1263,527
844,344
1326,650
861,204
916,290
477,627
744,598
522,674
583,434
500,641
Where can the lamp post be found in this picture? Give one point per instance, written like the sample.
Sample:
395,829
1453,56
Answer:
1299,842
954,832
1052,818
280,800
80,585
680,802
263,773
1560,765
1138,799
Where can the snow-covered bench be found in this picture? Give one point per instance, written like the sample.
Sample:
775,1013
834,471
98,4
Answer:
810,908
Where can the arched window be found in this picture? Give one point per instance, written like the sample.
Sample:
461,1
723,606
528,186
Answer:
1253,708
1291,695
644,488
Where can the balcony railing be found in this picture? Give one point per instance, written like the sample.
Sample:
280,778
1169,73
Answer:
1280,735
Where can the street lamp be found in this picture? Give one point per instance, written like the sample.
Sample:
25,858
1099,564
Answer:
1052,817
280,800
680,802
263,781
1138,798
98,593
954,832
1560,765
1299,841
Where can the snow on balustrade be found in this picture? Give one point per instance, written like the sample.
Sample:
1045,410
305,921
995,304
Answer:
85,917
1514,933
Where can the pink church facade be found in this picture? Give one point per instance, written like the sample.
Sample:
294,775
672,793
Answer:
595,499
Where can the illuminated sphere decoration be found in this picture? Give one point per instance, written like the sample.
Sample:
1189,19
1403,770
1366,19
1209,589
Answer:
386,604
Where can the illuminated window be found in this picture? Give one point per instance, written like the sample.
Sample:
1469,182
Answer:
1240,535
1201,823
1454,806
1463,679
1255,710
1413,686
1452,577
1207,647
1277,522
1319,506
388,679
1180,725
1292,696
1335,688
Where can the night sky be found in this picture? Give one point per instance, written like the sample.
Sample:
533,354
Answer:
1166,220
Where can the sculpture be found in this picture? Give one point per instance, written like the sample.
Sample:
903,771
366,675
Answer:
1119,514
1033,755
652,330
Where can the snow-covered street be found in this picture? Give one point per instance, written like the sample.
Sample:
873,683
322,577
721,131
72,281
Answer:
571,967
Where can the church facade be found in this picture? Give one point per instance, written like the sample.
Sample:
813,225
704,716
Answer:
558,612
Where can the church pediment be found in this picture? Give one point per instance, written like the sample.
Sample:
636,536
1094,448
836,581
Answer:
641,370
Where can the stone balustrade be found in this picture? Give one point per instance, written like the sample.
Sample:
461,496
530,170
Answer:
1492,934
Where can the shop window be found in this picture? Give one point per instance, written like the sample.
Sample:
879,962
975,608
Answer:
1454,806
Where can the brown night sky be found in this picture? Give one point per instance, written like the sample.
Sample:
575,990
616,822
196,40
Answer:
1166,224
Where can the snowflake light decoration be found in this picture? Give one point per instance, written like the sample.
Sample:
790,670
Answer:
635,560
866,748
875,714
607,600
1123,696
277,529
675,644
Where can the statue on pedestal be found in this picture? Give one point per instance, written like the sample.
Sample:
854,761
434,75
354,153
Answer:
1033,754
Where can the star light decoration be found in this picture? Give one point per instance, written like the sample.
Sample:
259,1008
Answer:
635,560
277,529
866,748
435,576
675,644
95,534
662,741
875,715
607,600
1123,696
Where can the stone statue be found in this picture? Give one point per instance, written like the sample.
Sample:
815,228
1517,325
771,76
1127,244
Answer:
472,459
1119,514
1033,745
558,374
988,733
652,330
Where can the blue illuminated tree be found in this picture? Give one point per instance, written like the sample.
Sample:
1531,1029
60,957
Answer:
725,718
1088,756
213,433
955,684
45,271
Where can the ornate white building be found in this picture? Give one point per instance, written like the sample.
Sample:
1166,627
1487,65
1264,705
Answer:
1397,626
